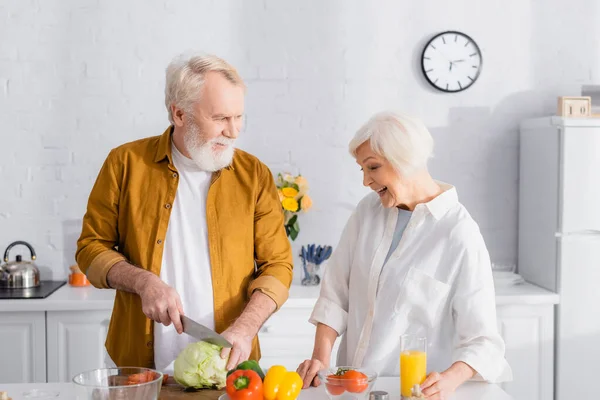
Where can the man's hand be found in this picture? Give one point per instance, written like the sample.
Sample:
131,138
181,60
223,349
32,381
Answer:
243,330
161,303
242,346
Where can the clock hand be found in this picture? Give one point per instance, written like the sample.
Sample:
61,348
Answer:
455,61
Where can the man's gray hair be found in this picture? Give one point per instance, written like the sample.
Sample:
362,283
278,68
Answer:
403,140
185,76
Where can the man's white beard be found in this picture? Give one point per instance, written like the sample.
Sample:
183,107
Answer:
202,153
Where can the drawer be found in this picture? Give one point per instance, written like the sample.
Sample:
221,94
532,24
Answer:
292,361
277,345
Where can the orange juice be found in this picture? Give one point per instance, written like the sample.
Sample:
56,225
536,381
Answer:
413,370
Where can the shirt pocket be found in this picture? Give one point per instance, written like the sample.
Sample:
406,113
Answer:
421,298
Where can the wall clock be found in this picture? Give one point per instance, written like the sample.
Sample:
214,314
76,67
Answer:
451,61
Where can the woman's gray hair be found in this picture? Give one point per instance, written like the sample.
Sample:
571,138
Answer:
403,140
185,76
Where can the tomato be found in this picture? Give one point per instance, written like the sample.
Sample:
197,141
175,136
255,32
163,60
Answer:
333,387
143,377
355,382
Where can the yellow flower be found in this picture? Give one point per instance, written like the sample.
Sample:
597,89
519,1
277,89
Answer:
281,196
290,204
306,202
289,192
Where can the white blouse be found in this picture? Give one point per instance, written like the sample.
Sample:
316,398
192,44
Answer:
438,282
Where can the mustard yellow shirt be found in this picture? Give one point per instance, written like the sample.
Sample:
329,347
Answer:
126,219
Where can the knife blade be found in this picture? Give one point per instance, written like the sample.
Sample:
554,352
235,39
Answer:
203,333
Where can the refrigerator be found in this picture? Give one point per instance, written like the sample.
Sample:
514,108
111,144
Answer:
559,240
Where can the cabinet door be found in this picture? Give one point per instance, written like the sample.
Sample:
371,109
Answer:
578,322
23,349
580,191
287,339
75,342
528,332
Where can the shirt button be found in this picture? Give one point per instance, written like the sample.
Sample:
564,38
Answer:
159,241
174,174
167,206
150,344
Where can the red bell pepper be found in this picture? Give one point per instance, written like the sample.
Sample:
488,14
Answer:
244,385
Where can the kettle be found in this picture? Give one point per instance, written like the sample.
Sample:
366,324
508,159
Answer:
19,274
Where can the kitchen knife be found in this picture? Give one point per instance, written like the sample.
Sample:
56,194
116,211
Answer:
202,333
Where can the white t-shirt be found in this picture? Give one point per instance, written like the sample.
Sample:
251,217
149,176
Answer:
186,260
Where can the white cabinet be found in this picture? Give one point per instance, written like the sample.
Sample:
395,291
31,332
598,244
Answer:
53,339
51,346
287,338
75,342
528,332
22,347
578,333
580,191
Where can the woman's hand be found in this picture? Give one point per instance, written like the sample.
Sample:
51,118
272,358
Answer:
308,372
324,338
439,386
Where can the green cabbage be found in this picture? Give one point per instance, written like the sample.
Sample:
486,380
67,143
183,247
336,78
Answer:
200,366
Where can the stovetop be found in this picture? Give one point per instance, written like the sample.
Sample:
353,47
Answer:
45,289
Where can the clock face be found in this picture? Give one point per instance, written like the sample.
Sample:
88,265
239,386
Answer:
451,61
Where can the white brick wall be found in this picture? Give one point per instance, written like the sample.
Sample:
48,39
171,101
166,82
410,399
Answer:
79,77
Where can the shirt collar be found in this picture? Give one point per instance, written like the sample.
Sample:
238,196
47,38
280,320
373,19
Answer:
163,150
444,202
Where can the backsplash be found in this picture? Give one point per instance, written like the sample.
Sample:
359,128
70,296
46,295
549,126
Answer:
78,78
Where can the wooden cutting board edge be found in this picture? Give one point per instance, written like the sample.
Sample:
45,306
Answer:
174,391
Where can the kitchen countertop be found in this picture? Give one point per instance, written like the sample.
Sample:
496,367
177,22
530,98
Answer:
523,293
66,298
69,298
468,391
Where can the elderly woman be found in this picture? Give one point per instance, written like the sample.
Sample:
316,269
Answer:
410,260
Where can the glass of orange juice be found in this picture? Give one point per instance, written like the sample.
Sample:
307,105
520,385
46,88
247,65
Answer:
413,362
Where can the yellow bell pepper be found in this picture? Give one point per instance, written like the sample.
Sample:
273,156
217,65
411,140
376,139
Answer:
281,384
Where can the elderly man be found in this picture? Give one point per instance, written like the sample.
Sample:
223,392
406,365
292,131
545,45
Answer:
184,223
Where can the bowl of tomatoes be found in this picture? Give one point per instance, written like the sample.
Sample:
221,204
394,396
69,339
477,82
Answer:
348,383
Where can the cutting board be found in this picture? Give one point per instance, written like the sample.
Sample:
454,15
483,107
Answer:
174,391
